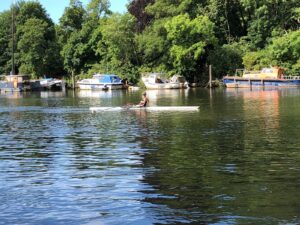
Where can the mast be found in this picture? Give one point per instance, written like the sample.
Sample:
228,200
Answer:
13,39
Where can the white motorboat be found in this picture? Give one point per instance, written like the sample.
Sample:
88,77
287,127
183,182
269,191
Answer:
51,84
148,108
154,81
101,82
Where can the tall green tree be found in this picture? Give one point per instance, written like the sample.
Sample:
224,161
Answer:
81,36
31,9
270,15
168,8
229,17
158,48
5,42
153,48
137,9
35,44
118,47
190,39
153,45
282,51
69,34
32,52
98,8
37,57
71,54
226,59
71,21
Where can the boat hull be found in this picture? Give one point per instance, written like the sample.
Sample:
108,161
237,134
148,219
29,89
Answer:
165,86
101,82
149,109
239,82
100,86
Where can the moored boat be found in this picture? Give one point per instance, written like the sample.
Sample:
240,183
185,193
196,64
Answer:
101,82
14,83
154,81
19,83
51,84
267,77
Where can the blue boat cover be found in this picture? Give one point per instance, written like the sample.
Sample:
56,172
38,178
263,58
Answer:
108,78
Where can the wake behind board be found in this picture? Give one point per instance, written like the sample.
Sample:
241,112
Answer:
148,109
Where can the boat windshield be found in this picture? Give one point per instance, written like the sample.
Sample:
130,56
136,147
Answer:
267,70
115,79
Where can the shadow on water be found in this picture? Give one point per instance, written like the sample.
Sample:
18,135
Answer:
234,162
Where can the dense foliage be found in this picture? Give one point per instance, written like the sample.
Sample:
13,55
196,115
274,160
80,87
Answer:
172,36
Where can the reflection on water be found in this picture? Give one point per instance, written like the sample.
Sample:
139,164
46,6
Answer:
265,105
234,162
96,94
11,95
168,96
52,94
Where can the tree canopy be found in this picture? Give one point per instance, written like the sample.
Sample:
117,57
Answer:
171,36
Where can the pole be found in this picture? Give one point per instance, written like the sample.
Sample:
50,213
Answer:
210,76
73,80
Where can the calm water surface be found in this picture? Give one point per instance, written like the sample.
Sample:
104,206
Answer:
236,161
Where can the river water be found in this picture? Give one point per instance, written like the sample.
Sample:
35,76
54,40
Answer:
236,161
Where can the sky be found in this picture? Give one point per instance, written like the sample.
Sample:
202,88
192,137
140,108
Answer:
55,8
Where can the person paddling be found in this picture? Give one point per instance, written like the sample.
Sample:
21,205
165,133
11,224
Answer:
144,101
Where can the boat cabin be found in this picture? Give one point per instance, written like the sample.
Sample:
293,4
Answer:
14,82
16,78
265,73
153,78
177,79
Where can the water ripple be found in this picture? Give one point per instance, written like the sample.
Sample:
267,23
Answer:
236,161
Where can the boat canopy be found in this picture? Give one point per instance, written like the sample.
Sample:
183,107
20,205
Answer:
108,78
153,78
